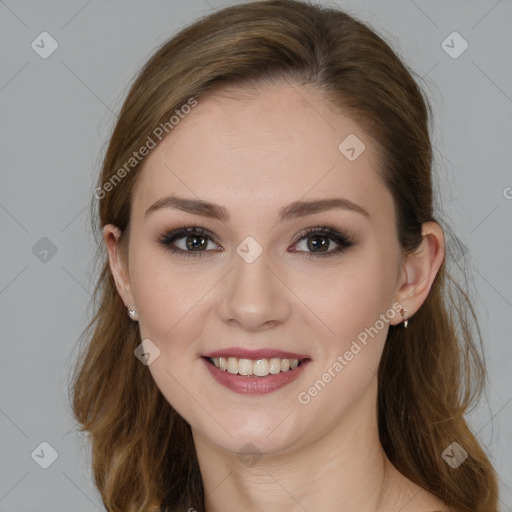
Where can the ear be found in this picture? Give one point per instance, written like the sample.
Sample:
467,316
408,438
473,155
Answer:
111,235
420,269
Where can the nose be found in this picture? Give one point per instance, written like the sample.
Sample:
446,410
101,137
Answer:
254,297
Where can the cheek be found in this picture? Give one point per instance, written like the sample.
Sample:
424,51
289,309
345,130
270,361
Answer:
358,308
171,303
352,297
344,299
168,299
356,303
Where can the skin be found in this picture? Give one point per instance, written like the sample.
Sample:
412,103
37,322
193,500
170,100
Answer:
254,153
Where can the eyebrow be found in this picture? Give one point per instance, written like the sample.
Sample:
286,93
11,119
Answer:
292,211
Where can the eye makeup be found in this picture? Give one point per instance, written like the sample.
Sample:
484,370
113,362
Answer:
202,237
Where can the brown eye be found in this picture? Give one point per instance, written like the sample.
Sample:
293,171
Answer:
320,242
190,241
194,242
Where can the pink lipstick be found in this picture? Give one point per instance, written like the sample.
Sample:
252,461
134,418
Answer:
255,372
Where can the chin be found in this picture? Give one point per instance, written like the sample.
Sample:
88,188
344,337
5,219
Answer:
271,433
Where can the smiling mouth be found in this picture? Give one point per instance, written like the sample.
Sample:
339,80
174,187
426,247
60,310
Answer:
255,367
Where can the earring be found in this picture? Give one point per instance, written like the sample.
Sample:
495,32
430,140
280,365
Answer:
404,316
132,312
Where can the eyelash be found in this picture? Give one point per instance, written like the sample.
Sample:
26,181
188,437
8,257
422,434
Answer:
343,241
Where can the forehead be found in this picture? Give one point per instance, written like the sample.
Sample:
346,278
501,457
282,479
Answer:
262,148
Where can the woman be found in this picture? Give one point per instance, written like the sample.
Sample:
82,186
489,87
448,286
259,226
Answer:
275,328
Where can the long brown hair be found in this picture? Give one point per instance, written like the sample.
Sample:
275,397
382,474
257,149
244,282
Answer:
143,456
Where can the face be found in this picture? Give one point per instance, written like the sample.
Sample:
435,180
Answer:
271,281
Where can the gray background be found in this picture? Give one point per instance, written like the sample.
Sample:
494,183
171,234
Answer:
56,117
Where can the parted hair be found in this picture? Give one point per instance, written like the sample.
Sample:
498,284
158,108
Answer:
430,374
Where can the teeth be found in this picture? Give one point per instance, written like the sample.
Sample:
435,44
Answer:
261,367
244,366
232,365
258,367
274,365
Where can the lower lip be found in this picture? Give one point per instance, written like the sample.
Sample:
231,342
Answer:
254,385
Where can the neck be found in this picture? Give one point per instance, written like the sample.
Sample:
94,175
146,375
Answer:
345,469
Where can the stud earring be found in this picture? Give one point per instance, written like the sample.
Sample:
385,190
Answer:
404,316
132,312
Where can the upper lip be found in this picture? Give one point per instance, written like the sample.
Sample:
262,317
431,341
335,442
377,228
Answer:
262,353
